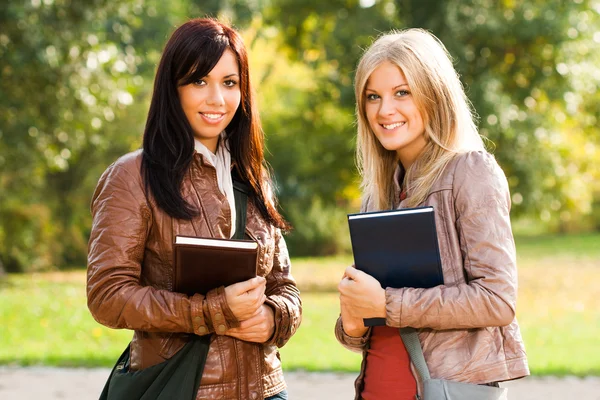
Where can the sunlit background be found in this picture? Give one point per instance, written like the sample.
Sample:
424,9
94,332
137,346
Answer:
75,82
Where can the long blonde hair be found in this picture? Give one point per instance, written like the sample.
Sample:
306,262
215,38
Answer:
440,98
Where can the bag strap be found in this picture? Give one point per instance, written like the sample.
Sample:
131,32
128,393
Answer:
240,194
413,347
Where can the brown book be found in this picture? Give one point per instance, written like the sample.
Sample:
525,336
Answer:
202,264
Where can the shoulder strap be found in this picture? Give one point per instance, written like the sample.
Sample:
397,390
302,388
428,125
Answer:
413,347
240,194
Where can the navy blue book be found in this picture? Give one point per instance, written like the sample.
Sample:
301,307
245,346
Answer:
399,248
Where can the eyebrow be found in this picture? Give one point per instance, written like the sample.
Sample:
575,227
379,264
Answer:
394,88
225,77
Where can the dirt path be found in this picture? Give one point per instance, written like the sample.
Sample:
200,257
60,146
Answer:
85,384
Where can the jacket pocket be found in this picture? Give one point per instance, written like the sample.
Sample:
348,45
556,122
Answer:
170,343
221,366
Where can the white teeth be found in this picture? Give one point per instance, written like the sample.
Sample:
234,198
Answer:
212,116
393,126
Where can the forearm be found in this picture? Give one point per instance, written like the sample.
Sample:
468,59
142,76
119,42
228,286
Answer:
287,307
458,307
122,303
129,306
356,344
282,294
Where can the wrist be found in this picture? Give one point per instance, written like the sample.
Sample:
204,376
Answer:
383,303
221,316
354,329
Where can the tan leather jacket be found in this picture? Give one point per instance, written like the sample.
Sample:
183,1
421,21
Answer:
130,277
467,327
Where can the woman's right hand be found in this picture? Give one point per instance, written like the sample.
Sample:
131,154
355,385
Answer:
353,326
245,298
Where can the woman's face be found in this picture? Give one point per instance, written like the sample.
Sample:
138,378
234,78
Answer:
392,113
210,103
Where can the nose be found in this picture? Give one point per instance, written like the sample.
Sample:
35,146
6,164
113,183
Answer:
215,96
386,107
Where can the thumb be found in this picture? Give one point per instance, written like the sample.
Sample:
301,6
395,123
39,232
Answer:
353,273
248,285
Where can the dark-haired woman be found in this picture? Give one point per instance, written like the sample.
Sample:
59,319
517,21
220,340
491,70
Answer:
201,127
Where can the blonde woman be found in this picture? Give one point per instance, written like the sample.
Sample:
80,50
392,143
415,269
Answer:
418,146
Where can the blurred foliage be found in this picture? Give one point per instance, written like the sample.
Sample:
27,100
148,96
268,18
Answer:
310,143
72,75
75,81
531,70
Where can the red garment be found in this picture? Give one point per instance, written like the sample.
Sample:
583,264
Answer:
387,373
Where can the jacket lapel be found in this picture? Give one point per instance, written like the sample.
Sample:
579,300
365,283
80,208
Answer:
201,189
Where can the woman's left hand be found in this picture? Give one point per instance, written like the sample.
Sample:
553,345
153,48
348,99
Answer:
362,294
258,328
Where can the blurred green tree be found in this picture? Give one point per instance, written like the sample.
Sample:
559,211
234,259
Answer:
528,68
71,74
75,80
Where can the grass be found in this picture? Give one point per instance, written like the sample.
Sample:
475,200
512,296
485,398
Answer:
314,347
44,319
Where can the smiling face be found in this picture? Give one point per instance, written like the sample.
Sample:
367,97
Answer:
392,113
210,103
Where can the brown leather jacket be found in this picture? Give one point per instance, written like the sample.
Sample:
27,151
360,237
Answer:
467,327
130,277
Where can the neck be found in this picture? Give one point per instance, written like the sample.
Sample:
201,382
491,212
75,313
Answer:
408,155
211,144
406,160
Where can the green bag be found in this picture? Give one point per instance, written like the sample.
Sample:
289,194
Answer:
177,378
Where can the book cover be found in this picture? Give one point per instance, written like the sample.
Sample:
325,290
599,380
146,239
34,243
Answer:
202,264
397,247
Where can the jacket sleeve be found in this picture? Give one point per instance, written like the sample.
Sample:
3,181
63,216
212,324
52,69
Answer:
121,223
283,295
488,296
356,344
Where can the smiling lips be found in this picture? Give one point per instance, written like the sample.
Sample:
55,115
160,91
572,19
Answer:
212,118
392,126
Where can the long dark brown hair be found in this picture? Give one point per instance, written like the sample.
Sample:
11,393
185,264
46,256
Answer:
168,147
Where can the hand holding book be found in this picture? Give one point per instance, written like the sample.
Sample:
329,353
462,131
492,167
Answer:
398,248
258,329
245,298
362,296
202,264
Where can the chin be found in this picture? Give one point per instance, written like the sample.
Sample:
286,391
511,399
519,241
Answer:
208,135
392,146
